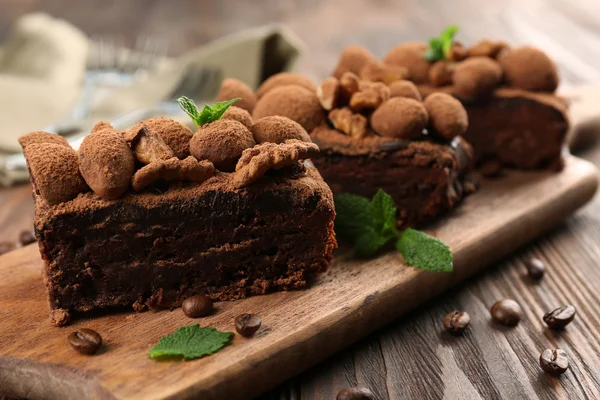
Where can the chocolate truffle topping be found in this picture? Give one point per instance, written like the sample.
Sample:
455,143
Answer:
172,169
410,56
106,163
174,133
240,115
221,142
54,170
277,129
405,88
232,88
447,116
400,117
476,77
42,137
284,79
292,101
352,59
376,71
440,73
530,69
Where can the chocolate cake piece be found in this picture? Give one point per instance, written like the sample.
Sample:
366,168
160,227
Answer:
423,177
154,249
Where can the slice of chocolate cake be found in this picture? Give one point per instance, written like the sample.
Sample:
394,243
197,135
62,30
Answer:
242,215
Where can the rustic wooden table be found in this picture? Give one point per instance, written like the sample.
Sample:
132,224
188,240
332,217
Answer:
412,358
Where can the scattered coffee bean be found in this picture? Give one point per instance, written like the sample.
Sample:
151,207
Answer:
456,322
197,306
507,312
247,324
85,341
535,268
561,317
554,362
26,237
355,393
5,247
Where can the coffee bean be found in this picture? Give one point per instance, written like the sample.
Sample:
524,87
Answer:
5,247
507,312
85,341
535,268
554,362
561,317
355,393
197,306
456,322
247,324
26,237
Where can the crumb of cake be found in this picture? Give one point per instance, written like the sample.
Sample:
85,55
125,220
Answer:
349,84
60,317
221,142
54,170
352,124
400,117
530,69
487,48
328,93
102,125
148,146
457,52
352,59
447,116
370,96
440,73
376,71
292,101
171,170
277,129
42,137
232,88
256,161
106,163
476,77
174,133
410,56
405,88
240,115
285,79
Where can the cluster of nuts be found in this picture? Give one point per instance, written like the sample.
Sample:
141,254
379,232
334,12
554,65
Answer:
360,108
471,71
160,149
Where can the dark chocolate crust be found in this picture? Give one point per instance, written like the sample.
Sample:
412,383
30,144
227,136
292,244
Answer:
519,128
154,249
424,178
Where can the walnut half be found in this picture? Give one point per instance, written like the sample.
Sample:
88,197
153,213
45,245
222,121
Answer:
352,124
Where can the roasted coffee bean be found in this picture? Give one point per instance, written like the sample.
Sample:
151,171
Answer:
535,268
5,247
85,341
456,322
197,306
507,312
26,237
561,317
554,362
247,324
355,393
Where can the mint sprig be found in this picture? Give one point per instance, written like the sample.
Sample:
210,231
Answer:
440,47
190,342
208,113
371,224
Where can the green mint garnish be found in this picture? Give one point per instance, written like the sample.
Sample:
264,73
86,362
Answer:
371,224
208,114
439,47
190,342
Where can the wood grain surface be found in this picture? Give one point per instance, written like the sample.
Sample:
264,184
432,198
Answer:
300,328
385,361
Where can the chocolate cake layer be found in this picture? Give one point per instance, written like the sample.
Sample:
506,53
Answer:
423,177
154,249
520,129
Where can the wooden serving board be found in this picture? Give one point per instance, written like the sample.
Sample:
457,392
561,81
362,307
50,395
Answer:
299,328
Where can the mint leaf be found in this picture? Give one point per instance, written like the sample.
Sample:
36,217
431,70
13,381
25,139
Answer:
383,211
352,216
190,342
423,251
440,47
190,108
208,114
369,243
219,108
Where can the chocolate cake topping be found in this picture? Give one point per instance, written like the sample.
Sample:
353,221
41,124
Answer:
285,79
106,163
328,93
233,88
369,96
102,125
295,102
410,56
530,69
334,141
148,146
447,116
476,77
349,84
351,123
221,142
440,73
487,48
174,133
42,137
276,129
404,88
54,170
400,117
240,115
172,169
352,59
376,71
